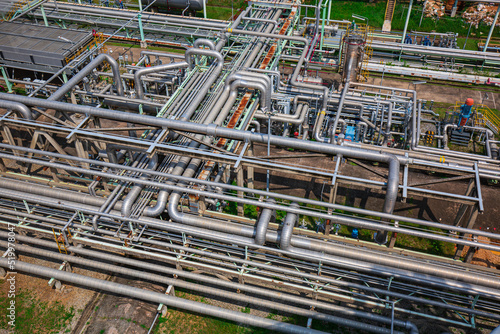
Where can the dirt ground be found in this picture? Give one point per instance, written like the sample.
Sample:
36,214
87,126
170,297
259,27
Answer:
98,313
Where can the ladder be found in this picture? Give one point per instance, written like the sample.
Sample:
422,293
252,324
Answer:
484,116
389,13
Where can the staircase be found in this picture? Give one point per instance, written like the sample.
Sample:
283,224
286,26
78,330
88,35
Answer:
483,117
17,6
389,12
460,138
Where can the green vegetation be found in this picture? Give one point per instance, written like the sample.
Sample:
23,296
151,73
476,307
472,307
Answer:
181,322
375,11
34,316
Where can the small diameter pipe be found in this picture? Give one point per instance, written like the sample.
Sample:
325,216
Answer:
158,298
153,69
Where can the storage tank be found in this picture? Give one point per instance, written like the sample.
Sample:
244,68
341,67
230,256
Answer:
176,5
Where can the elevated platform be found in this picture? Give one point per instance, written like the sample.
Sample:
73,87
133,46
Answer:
37,47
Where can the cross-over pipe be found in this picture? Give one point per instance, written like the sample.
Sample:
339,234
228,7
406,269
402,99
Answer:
205,42
217,131
203,52
139,90
68,86
263,223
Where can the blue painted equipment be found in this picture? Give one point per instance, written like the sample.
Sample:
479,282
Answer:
350,133
355,233
465,112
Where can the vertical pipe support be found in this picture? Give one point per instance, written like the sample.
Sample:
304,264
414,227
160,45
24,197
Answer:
323,28
491,29
406,23
42,10
6,79
141,30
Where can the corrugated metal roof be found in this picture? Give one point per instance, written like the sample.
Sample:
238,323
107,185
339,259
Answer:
39,45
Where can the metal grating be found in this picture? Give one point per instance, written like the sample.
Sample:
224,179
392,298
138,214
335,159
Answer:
39,45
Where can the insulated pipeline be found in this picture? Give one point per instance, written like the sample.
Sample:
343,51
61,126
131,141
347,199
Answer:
158,298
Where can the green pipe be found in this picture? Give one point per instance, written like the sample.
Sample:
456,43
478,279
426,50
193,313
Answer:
7,82
43,15
140,26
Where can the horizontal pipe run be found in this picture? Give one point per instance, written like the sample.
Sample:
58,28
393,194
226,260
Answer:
200,288
217,131
257,192
301,242
158,298
218,282
332,281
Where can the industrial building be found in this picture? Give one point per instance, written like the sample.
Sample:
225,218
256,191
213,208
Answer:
253,161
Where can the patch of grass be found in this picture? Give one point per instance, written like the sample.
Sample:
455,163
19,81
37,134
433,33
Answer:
245,310
219,13
34,316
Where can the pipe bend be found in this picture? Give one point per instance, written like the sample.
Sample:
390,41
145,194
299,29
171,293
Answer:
392,183
265,218
154,69
265,96
68,86
129,201
19,108
285,238
203,52
161,203
203,41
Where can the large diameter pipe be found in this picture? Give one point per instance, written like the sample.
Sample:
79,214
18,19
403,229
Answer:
218,282
56,193
158,298
68,86
200,288
217,131
19,108
63,194
263,223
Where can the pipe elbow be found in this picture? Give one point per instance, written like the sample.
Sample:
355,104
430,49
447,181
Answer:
159,208
392,183
411,327
173,210
203,52
115,68
203,41
19,108
266,216
287,230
